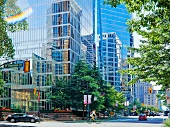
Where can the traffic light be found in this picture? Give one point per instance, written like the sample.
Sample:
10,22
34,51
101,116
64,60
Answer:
150,90
26,66
35,90
143,104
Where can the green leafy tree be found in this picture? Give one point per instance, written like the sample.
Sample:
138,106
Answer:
60,94
137,103
153,24
6,46
82,83
166,123
114,100
99,104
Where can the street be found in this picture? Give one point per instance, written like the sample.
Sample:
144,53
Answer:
120,122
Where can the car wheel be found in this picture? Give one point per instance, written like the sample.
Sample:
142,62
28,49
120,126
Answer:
12,120
32,120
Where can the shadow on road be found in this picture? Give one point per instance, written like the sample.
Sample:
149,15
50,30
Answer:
135,120
5,125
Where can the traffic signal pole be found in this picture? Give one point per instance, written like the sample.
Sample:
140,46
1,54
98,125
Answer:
39,101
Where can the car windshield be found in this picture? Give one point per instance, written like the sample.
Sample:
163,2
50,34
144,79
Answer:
19,114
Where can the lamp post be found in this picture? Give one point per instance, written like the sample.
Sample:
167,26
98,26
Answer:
88,99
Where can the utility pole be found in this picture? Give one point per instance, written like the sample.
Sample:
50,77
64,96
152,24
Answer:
88,99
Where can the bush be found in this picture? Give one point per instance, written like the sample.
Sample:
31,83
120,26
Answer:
167,123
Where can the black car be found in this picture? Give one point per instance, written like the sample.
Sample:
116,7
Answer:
152,114
134,113
22,117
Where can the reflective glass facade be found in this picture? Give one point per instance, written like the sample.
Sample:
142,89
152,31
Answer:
44,15
112,20
56,30
112,58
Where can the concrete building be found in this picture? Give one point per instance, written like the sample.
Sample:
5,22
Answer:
141,92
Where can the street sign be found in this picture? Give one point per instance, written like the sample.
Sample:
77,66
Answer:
8,65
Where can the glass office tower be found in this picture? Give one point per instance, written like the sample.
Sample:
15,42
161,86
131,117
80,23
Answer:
34,39
112,57
55,32
112,20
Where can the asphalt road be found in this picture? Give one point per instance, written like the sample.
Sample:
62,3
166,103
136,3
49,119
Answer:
120,122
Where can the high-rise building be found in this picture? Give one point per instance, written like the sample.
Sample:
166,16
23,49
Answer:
64,34
111,58
108,19
88,40
144,92
56,29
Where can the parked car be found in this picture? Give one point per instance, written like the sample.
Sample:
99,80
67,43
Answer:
158,114
166,113
152,114
142,117
134,113
22,117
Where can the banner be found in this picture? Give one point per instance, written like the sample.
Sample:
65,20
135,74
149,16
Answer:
87,101
95,98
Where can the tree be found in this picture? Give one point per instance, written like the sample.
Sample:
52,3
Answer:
6,46
137,103
99,104
60,97
82,83
114,100
152,22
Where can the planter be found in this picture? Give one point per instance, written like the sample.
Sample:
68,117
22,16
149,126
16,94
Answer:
62,111
2,119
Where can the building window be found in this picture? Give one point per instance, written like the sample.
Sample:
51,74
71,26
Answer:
65,18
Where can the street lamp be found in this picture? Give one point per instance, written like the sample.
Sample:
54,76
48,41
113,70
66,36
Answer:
87,101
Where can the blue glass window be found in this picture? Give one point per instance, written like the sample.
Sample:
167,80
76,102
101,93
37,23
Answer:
65,30
65,17
54,19
55,31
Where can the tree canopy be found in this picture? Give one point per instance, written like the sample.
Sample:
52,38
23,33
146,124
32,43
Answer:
6,46
7,49
152,22
86,80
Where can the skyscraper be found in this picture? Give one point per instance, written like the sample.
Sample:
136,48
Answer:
108,20
111,57
55,32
